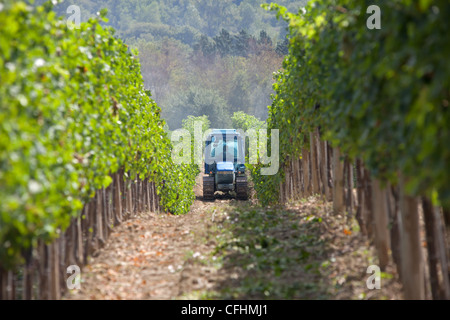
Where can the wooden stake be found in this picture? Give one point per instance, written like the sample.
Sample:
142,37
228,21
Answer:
3,284
367,209
152,194
338,180
446,212
79,243
27,283
99,229
130,198
105,214
330,171
306,171
314,166
380,214
443,256
117,203
412,262
136,195
147,188
87,231
360,196
433,259
55,280
323,169
348,181
394,217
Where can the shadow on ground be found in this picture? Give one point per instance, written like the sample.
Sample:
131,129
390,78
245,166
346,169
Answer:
299,251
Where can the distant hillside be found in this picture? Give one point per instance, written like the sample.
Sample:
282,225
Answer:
200,57
184,20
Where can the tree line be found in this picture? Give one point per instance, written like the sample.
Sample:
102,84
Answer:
200,56
184,20
241,44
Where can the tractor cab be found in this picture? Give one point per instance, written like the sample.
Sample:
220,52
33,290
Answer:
225,164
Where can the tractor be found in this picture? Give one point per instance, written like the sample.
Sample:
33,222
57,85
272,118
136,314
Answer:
225,164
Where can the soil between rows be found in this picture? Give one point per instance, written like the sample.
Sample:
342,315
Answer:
230,249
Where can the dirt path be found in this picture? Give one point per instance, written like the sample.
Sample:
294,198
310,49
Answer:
230,249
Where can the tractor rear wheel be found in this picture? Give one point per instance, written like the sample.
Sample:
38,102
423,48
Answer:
241,188
208,188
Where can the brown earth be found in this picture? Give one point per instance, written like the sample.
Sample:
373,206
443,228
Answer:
231,249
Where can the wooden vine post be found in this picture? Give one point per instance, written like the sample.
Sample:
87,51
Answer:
411,251
338,182
380,214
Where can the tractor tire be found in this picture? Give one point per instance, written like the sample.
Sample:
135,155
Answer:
241,188
208,188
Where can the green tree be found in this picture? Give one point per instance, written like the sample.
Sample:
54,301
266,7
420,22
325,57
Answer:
223,43
241,43
197,101
239,95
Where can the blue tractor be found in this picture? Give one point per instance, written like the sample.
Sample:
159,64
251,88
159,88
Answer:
225,164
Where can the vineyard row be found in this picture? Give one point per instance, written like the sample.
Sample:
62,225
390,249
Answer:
44,274
385,214
380,100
